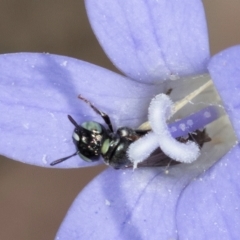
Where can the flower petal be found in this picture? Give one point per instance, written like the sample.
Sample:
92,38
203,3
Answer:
152,40
129,205
209,208
225,72
38,91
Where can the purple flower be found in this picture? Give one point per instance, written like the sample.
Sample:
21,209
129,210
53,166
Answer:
150,42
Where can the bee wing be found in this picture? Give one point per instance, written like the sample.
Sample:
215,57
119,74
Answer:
158,159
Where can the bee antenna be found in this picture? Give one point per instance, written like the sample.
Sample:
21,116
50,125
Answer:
72,121
62,159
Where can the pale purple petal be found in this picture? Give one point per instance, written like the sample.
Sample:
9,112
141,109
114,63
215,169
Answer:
209,208
151,40
191,201
38,91
128,205
225,71
210,205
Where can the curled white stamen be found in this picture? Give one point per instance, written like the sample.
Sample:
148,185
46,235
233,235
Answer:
141,149
160,109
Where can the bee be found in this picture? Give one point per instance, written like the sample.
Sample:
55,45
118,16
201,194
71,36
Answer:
93,141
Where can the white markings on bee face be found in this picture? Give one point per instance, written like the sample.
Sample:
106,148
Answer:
99,138
124,133
76,137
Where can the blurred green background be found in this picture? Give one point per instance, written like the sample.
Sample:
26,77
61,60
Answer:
33,201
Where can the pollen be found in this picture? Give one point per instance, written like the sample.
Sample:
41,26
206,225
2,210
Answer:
182,126
207,114
190,122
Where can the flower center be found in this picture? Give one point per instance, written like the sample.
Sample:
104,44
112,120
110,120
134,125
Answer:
201,108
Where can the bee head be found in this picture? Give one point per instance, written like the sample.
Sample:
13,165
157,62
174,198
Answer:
87,138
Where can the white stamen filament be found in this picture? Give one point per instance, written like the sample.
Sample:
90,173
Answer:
180,104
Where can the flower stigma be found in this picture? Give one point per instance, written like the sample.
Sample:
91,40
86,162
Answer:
200,110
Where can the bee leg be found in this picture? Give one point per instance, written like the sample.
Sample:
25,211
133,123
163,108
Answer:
168,92
104,116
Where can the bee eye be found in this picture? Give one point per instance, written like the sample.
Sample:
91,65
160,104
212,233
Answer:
92,126
105,146
76,137
84,158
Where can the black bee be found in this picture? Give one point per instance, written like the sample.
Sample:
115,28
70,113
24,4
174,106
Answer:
93,140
